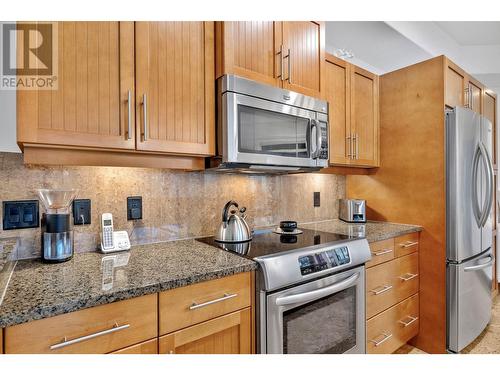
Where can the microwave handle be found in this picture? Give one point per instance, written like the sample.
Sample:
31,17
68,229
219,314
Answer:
317,151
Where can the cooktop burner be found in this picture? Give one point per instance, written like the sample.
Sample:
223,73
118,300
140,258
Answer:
266,242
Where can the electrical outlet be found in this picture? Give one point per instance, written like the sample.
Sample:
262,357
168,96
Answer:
81,211
134,208
317,199
20,214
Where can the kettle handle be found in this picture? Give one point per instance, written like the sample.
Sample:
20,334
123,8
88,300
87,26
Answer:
225,210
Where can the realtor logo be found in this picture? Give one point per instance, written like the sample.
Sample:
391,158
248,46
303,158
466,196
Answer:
29,56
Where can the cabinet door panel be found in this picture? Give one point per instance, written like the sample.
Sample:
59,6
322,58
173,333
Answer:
337,90
89,106
364,117
228,334
455,86
175,86
304,65
476,97
249,49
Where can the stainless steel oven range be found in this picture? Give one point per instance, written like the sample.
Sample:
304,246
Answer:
310,291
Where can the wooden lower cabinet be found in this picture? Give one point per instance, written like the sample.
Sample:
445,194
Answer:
382,251
389,330
228,334
146,347
119,324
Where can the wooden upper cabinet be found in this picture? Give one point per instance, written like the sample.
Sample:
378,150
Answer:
337,93
475,92
455,85
353,113
303,54
89,107
283,54
175,77
249,49
364,117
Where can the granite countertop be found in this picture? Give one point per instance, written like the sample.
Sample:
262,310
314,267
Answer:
372,230
8,248
38,290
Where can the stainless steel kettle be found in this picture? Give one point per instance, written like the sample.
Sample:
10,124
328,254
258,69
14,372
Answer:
233,228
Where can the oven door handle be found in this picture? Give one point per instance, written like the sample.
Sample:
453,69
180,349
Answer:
319,293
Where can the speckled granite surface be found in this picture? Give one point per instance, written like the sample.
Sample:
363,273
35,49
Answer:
8,256
39,290
372,230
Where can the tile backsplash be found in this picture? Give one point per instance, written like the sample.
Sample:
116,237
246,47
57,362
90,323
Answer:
175,204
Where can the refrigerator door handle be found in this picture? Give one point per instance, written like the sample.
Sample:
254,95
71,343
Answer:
489,184
475,205
480,266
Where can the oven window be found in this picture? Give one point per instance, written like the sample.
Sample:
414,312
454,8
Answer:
327,325
266,132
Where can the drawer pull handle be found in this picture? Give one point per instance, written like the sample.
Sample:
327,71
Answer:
408,276
378,253
387,336
412,320
408,244
381,289
195,305
67,342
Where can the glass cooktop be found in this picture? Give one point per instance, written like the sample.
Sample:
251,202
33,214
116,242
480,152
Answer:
266,242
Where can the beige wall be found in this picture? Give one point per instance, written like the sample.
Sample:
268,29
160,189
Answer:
175,204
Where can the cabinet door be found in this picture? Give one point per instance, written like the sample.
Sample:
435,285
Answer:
455,85
475,92
90,106
304,54
175,87
228,334
364,117
337,92
250,50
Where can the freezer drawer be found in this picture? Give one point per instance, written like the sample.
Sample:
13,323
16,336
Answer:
468,300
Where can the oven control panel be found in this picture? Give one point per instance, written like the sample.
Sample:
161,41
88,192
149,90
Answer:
324,260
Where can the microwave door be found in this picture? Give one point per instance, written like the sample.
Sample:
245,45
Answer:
267,133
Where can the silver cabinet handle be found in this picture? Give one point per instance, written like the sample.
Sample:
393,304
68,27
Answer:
356,139
480,266
467,97
349,152
129,110
412,320
227,296
378,253
408,276
67,342
145,117
289,66
408,244
381,289
387,336
282,64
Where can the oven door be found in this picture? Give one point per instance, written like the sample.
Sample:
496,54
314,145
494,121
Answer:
257,131
323,316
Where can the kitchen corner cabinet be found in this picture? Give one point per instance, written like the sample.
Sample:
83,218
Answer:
461,89
353,97
142,91
283,54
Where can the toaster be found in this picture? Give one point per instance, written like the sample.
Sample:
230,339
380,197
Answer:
352,210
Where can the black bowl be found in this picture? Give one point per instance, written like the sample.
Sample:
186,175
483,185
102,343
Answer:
288,225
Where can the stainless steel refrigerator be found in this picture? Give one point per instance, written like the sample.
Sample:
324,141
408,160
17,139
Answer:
469,199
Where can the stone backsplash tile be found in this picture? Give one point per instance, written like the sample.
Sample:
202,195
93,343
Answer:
175,204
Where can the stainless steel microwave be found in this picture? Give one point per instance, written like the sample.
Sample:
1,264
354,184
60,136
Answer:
262,128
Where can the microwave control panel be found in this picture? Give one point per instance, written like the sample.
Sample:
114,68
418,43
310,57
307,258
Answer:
325,260
324,140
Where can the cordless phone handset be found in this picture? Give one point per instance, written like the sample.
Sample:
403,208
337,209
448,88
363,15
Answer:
107,231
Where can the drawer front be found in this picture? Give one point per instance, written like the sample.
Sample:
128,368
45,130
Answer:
147,347
390,283
183,307
98,330
391,329
406,244
382,251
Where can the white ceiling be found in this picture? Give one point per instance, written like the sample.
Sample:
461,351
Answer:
473,33
385,46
